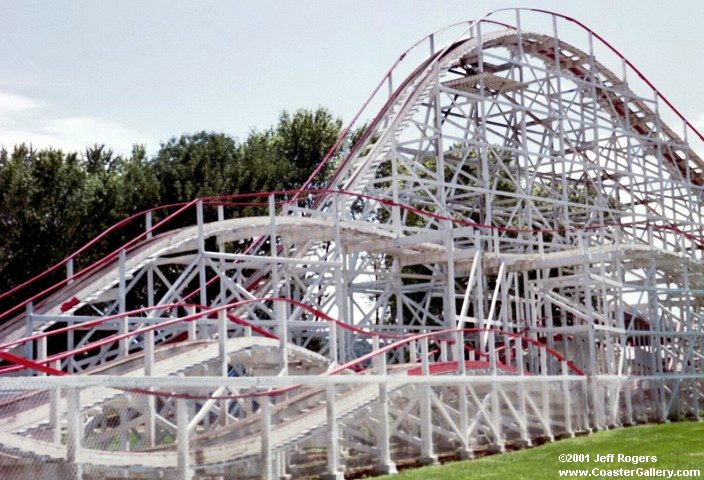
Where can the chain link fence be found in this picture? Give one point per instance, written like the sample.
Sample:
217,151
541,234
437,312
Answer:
257,427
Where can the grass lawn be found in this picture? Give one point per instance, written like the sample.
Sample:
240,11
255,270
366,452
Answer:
676,445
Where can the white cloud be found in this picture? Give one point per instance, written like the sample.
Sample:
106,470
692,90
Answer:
28,120
12,103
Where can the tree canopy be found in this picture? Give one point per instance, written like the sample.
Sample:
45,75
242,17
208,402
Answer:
52,202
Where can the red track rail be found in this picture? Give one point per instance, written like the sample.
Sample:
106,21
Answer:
443,367
226,200
40,365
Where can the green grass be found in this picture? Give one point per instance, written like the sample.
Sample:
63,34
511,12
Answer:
676,445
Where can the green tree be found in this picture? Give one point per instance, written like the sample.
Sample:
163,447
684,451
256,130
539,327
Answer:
52,202
302,140
193,166
279,158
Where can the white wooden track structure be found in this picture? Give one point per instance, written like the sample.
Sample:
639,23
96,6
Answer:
510,252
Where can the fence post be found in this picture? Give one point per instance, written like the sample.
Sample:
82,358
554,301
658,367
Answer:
465,450
593,386
54,414
223,360
567,400
267,472
73,433
150,421
498,445
522,410
428,456
182,440
545,393
385,465
333,467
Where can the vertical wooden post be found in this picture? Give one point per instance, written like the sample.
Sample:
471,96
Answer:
267,470
190,310
427,452
386,465
182,441
122,304
73,433
333,465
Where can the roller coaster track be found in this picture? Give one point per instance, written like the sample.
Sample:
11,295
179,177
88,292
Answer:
511,251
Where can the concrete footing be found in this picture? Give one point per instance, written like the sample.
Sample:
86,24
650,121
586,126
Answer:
386,469
333,476
431,460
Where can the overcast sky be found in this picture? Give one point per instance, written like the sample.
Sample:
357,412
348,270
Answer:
123,72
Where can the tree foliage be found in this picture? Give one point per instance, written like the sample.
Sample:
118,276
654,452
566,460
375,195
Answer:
52,202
